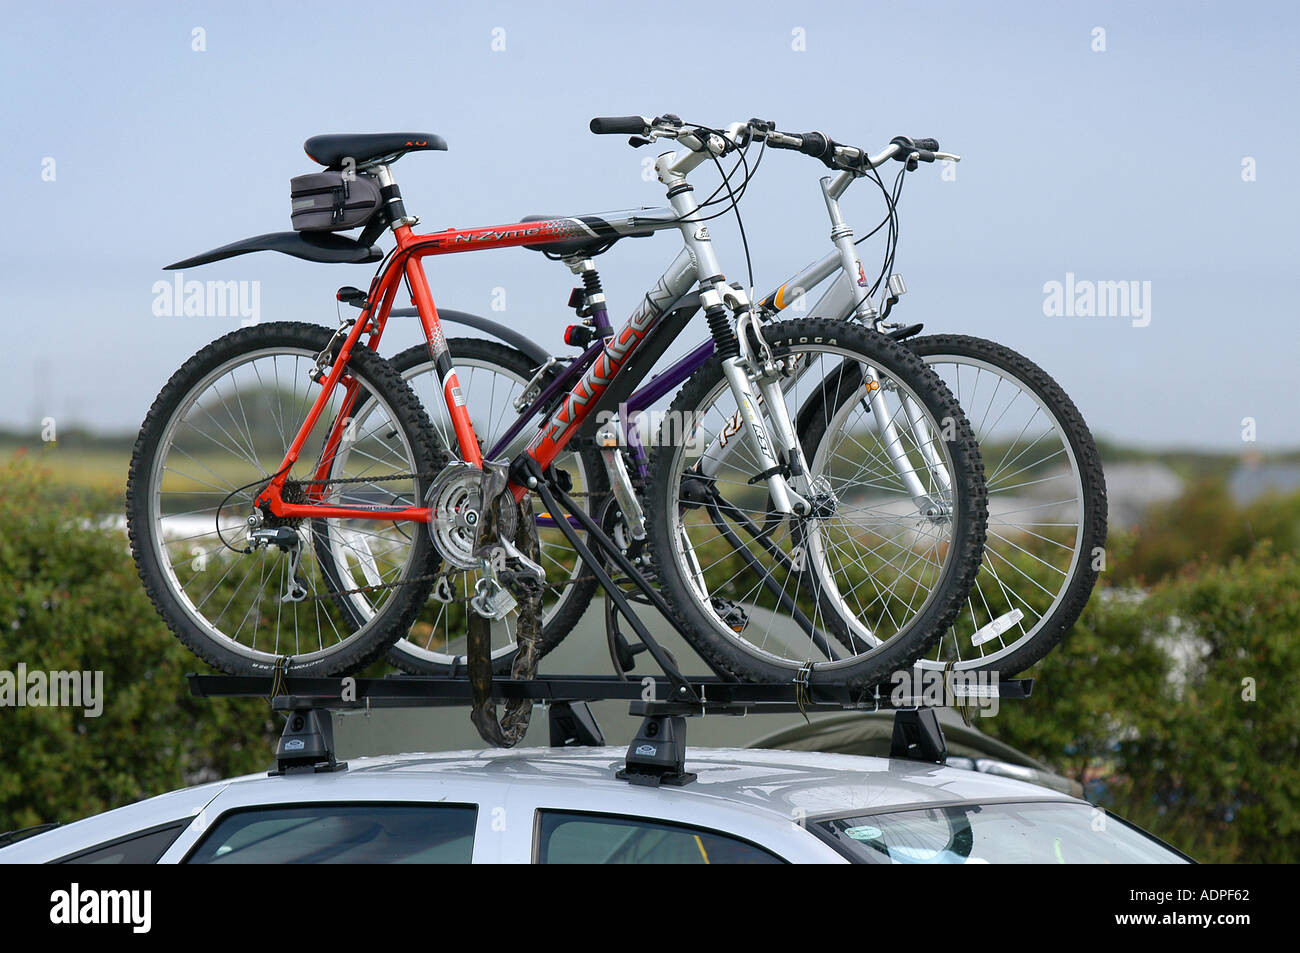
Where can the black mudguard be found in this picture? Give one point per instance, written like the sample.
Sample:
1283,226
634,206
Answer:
512,337
311,246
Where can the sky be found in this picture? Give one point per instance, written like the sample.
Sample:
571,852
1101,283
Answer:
1150,142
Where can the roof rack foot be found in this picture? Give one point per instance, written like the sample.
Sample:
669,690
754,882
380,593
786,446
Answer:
918,736
307,743
657,755
574,726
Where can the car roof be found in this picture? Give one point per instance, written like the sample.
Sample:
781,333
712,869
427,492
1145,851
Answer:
779,784
774,781
179,805
842,733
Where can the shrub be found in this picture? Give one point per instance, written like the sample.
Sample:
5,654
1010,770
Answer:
1179,709
70,600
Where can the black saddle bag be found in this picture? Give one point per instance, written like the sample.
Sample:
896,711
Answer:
333,201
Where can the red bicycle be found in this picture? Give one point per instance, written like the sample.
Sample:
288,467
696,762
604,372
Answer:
289,499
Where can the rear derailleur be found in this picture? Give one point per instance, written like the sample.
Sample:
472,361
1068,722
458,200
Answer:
287,540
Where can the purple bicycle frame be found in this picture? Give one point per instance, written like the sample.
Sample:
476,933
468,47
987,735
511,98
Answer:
658,385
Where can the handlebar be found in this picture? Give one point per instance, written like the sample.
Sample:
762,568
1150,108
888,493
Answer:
851,158
620,125
698,139
820,146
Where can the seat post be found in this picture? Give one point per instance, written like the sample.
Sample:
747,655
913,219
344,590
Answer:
393,205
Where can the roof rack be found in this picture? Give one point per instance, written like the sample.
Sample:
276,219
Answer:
656,755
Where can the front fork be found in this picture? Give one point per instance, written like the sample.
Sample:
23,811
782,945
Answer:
768,455
755,378
924,500
742,373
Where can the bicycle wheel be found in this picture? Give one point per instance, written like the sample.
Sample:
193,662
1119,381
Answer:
492,376
212,440
866,583
1047,506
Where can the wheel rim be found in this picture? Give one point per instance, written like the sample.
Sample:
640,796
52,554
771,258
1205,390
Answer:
216,441
1020,440
848,552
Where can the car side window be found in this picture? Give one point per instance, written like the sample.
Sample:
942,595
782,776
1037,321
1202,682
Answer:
567,837
144,847
342,834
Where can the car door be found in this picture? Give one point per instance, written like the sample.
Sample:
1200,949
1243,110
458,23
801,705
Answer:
315,820
646,825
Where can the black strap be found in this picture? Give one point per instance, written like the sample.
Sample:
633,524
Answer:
780,469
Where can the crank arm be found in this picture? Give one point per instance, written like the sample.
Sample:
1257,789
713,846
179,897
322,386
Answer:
620,482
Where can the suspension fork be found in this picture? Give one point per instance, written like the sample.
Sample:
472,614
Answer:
721,447
894,444
736,365
779,462
780,473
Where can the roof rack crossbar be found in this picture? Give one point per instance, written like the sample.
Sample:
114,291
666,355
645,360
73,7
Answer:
716,696
657,753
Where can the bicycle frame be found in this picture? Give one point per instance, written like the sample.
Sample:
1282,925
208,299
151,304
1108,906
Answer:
839,301
842,300
696,262
588,378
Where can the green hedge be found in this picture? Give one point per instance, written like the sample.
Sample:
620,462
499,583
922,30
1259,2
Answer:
1174,741
70,600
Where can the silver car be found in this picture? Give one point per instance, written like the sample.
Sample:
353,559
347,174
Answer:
565,805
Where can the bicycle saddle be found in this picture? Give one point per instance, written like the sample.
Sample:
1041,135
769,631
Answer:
365,147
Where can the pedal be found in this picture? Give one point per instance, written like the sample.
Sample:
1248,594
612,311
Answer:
535,385
521,568
733,616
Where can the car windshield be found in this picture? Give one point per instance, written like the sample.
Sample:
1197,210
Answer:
1038,832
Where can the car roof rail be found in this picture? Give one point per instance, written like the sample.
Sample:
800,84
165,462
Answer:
658,751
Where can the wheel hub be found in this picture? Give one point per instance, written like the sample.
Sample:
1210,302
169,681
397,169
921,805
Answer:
291,492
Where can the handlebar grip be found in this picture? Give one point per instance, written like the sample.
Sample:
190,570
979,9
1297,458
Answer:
816,145
619,125
929,145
